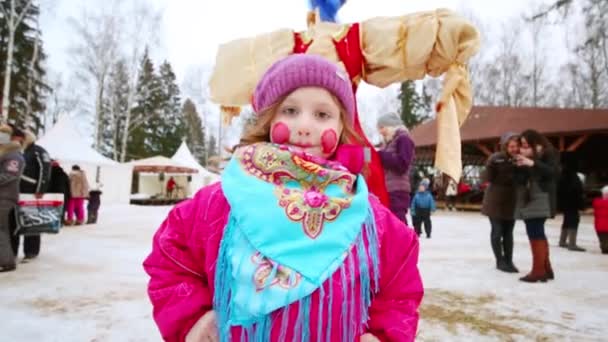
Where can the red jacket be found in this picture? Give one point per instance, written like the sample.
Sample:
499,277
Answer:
182,271
600,211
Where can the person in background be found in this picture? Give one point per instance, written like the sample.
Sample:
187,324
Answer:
538,168
171,187
570,200
60,184
11,167
450,195
79,188
35,180
422,206
94,204
600,213
499,200
396,157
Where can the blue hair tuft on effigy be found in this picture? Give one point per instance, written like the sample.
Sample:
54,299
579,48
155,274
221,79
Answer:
328,9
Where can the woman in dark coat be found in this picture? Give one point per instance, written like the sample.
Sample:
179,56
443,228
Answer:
538,169
499,201
396,157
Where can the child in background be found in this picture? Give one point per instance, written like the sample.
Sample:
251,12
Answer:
94,204
289,246
600,212
422,206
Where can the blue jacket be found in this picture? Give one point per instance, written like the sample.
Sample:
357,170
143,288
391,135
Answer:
422,200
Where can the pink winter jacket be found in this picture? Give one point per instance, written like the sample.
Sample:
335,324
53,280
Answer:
182,270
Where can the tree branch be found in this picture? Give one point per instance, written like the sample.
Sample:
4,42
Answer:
27,6
556,5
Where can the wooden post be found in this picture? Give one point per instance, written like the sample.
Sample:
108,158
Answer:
577,143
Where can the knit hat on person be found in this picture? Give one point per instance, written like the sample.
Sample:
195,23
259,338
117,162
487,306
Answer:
390,120
302,70
504,139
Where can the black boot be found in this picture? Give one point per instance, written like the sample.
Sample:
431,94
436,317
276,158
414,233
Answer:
603,237
563,236
572,241
507,245
495,237
8,268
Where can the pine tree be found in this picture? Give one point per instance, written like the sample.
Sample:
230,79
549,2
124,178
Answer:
170,129
195,134
413,106
26,76
144,116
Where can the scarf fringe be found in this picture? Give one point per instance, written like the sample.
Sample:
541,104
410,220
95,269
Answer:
352,327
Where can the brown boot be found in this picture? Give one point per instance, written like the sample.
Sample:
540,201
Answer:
563,237
548,268
539,255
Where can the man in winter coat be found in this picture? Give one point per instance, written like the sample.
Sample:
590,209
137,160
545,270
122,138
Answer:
35,180
11,168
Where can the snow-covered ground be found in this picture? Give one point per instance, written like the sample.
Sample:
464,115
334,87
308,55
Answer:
88,285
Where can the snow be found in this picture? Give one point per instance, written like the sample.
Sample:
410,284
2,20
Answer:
88,285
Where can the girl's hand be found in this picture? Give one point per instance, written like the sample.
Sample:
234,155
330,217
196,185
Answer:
368,338
524,161
204,330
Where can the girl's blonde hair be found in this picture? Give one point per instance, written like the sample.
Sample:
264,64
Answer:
260,130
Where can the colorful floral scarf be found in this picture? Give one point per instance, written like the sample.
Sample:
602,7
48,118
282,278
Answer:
293,220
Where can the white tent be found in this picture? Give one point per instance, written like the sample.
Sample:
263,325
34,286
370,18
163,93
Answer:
66,145
204,177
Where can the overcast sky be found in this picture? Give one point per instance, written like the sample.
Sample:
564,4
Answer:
191,30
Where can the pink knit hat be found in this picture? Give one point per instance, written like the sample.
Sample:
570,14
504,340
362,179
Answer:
302,70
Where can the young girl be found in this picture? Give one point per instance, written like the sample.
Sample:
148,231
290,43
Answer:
289,246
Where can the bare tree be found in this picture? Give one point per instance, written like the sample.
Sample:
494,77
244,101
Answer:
538,58
33,75
13,19
63,100
95,51
142,30
105,36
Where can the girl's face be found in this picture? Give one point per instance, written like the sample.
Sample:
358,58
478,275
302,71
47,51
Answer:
308,119
525,149
513,147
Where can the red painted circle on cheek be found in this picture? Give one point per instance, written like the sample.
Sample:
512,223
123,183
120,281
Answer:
279,134
329,140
